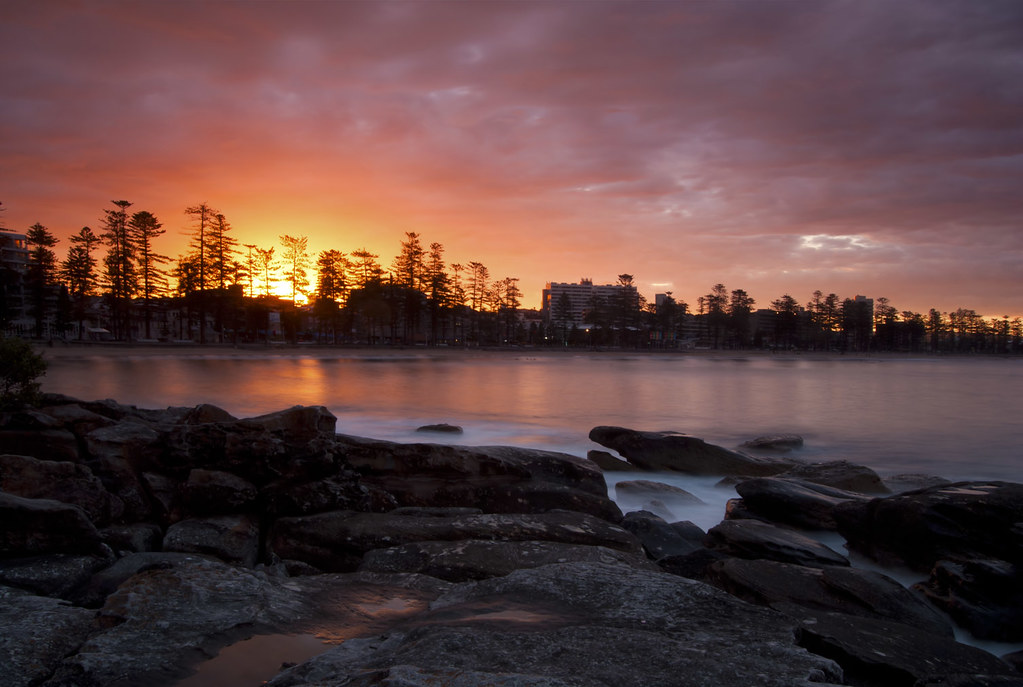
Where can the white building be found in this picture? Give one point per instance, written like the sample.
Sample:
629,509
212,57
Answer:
567,304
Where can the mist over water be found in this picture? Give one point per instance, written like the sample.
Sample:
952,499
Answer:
960,418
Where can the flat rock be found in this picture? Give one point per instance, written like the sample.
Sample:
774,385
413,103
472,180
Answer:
467,560
55,574
337,541
577,624
754,539
841,589
840,474
794,502
440,428
674,451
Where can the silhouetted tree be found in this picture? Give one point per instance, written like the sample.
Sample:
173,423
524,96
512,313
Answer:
144,228
120,272
786,321
41,274
715,304
79,273
266,266
296,264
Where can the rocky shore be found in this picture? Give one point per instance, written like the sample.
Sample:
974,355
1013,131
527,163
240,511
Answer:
135,544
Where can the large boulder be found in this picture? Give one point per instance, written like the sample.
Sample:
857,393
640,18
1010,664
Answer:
37,526
337,541
498,479
34,433
63,481
959,521
985,596
845,590
677,452
214,492
793,502
576,624
661,538
892,654
231,538
755,539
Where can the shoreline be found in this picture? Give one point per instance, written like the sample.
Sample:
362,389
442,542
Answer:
84,350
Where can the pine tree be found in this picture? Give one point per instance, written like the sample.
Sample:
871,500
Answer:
119,271
79,273
42,272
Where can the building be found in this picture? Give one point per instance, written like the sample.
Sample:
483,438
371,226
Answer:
13,266
567,305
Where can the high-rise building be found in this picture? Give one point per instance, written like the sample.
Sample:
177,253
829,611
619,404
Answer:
567,304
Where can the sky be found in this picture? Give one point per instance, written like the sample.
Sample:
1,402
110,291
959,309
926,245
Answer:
862,147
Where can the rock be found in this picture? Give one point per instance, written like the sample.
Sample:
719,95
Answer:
133,537
37,633
231,538
691,565
341,492
160,622
45,444
63,481
677,452
608,462
985,596
205,413
133,443
852,591
76,418
775,442
840,474
641,489
882,652
911,482
214,492
755,539
661,539
958,521
576,624
467,560
793,502
55,574
37,526
441,428
337,541
498,479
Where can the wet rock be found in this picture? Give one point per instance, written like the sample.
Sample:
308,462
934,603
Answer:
889,654
214,492
985,596
845,590
898,484
577,624
231,538
37,633
642,488
498,479
678,452
608,462
63,481
755,539
37,526
337,541
775,442
793,502
660,538
958,521
840,474
440,428
468,560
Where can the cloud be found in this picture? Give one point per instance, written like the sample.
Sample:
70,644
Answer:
690,142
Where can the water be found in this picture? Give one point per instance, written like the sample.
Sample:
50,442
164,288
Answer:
960,418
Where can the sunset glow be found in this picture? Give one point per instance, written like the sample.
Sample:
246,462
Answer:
857,147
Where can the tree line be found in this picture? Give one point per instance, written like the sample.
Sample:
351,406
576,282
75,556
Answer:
220,289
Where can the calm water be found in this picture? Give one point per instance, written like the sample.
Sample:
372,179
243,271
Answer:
959,418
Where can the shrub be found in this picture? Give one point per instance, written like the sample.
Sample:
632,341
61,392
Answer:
20,367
